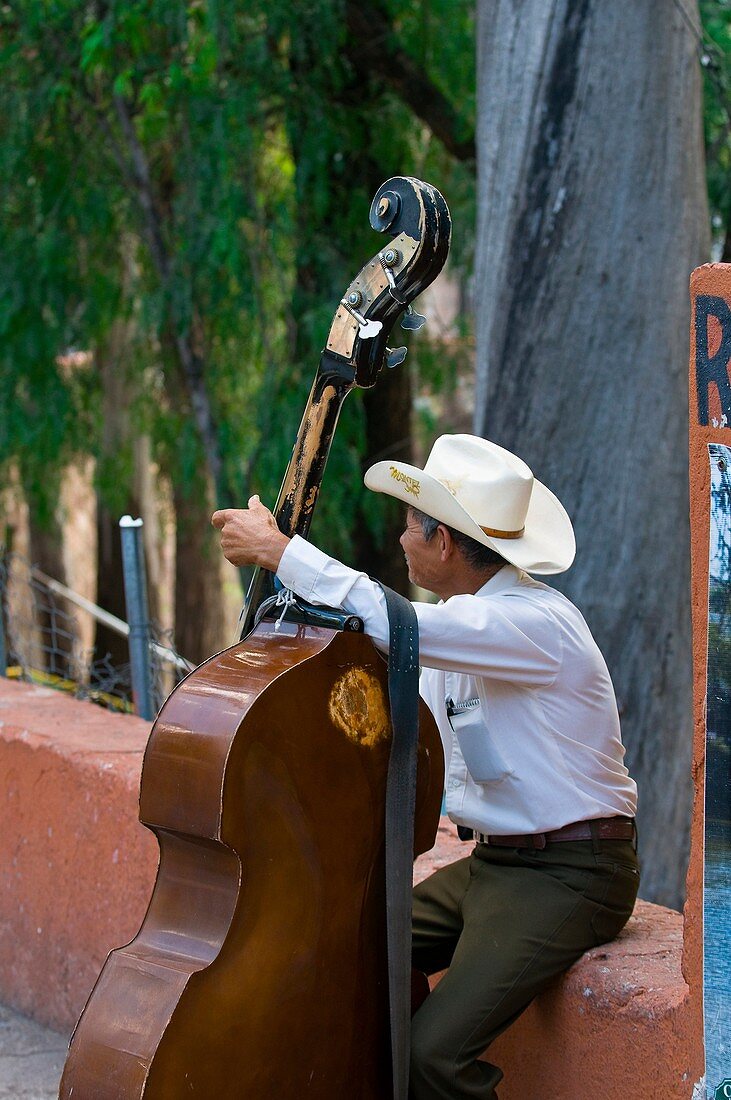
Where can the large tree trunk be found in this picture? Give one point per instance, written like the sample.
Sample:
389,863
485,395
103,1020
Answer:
200,622
388,435
592,214
54,618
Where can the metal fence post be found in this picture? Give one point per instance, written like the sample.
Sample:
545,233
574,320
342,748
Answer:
138,616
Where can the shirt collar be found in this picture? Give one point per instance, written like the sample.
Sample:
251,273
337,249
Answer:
507,577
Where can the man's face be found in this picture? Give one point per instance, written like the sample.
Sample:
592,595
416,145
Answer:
423,558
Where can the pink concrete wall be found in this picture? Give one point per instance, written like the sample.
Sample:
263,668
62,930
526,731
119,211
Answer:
76,867
618,1025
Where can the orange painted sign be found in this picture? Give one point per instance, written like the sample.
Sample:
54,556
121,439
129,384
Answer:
708,927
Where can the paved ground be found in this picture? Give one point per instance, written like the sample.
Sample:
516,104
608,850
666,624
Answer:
31,1058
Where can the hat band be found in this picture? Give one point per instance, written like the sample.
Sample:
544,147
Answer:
502,534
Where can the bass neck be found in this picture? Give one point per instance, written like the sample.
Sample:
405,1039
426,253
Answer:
300,488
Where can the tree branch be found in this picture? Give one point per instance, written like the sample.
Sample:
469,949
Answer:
372,48
144,189
191,364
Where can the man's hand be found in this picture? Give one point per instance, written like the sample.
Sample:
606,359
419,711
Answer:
250,536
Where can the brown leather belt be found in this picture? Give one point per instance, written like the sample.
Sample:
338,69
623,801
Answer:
600,828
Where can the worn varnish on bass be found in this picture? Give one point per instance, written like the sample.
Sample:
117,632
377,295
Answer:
260,971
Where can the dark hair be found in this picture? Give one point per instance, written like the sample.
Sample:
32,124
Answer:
474,552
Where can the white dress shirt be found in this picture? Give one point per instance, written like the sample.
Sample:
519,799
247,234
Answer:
538,745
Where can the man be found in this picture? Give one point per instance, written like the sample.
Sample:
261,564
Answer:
529,724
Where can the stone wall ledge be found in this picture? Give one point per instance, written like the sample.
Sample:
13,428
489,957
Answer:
76,871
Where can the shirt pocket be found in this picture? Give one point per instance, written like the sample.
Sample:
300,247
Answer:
482,757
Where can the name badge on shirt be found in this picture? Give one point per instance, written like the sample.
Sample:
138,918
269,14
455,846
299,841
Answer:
484,760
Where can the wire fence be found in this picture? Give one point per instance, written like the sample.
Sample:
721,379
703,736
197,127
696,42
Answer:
42,642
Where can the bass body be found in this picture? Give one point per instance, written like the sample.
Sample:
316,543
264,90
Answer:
260,969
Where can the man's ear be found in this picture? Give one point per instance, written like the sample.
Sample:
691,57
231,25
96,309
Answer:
446,542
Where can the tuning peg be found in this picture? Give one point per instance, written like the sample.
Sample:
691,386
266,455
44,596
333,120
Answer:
368,329
395,356
412,320
388,259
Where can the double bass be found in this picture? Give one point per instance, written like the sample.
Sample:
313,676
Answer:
260,968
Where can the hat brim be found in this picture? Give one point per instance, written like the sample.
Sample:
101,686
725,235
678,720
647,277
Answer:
546,546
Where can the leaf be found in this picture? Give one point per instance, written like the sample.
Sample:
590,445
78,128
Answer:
93,49
122,85
151,94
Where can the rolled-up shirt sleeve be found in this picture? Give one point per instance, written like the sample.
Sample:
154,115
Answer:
320,579
505,636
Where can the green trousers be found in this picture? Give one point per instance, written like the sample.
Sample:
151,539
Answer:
505,921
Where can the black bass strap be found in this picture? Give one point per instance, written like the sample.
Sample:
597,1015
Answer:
403,691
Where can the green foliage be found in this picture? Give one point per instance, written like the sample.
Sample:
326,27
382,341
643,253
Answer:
144,180
197,175
716,60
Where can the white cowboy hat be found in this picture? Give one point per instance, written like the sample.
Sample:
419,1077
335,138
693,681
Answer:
487,493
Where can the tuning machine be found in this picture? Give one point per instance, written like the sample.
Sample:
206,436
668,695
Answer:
368,329
395,356
411,321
